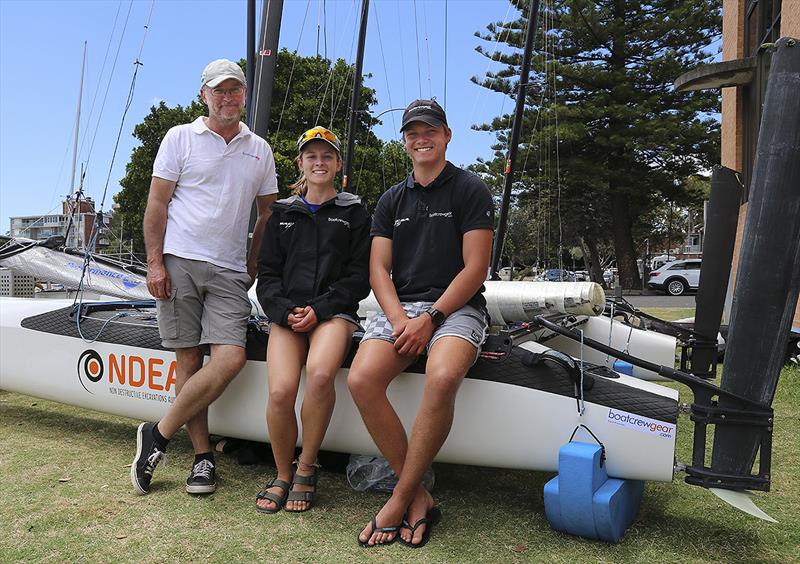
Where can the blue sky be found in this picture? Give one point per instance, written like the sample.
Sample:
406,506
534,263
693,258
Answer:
41,44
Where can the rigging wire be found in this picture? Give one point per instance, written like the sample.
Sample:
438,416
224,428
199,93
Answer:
110,78
416,43
318,28
427,50
499,36
329,80
383,62
402,54
391,105
90,247
102,71
446,21
291,71
325,28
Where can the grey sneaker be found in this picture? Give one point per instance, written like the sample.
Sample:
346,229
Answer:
148,455
202,479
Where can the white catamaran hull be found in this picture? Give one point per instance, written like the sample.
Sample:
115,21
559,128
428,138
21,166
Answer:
497,423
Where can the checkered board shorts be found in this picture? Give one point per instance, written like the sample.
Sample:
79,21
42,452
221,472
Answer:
468,323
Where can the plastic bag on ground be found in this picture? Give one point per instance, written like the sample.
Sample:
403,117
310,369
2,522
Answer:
374,473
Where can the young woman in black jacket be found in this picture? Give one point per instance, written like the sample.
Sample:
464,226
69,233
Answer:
313,271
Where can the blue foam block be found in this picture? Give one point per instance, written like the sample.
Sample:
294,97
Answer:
615,506
623,367
579,476
582,500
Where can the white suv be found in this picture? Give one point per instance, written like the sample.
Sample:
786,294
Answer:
676,277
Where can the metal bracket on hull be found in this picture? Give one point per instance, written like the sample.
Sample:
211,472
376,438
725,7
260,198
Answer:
694,344
705,411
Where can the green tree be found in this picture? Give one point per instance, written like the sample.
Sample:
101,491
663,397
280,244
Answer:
609,134
132,199
319,93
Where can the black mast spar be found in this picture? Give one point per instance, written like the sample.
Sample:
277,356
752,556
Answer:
516,130
261,74
355,98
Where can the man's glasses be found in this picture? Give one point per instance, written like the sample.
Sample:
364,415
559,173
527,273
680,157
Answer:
222,92
319,133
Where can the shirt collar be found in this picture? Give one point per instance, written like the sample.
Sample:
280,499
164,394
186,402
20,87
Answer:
199,126
444,176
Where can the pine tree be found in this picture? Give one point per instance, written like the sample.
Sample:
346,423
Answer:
601,108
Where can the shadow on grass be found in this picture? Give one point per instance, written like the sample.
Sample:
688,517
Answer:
46,419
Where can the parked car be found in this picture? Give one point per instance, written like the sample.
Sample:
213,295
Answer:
505,272
582,276
676,277
558,275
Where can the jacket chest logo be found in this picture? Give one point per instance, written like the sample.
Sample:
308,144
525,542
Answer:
286,225
339,220
441,214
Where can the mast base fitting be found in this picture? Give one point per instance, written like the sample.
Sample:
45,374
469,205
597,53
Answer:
753,419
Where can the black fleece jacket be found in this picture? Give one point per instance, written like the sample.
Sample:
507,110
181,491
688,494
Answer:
320,259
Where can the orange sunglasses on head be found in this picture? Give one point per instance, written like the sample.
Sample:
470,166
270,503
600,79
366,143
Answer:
318,133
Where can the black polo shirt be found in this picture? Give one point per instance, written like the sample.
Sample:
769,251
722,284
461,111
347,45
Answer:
426,225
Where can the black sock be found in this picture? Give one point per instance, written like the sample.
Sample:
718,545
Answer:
159,438
204,456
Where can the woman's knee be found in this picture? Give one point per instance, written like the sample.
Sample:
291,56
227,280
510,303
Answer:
282,397
319,381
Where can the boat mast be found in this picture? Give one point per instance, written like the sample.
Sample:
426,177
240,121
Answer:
251,52
266,58
259,96
75,156
355,98
516,130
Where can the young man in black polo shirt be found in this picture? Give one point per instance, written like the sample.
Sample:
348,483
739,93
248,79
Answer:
431,244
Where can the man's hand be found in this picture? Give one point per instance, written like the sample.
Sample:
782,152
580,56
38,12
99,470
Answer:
158,282
307,320
413,336
252,268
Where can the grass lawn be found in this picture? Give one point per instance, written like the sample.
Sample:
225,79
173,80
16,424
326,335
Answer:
66,495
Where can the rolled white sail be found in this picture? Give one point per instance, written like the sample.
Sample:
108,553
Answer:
63,268
510,302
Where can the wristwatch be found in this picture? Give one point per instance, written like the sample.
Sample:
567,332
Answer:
437,316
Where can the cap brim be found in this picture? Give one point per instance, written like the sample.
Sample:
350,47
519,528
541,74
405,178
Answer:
432,121
214,82
307,141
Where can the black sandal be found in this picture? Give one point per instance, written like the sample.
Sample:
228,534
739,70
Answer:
278,500
308,497
432,518
377,529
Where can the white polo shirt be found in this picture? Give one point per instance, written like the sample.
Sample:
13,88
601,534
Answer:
217,182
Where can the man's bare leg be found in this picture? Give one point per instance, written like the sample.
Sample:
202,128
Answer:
448,362
203,387
375,366
286,353
189,361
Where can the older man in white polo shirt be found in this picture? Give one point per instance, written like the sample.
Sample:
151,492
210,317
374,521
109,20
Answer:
206,176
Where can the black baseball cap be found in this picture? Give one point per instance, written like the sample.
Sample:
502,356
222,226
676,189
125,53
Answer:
427,111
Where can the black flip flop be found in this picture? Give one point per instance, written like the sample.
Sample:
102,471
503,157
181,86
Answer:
432,518
376,529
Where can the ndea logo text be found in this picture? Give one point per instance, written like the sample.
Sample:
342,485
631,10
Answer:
145,377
